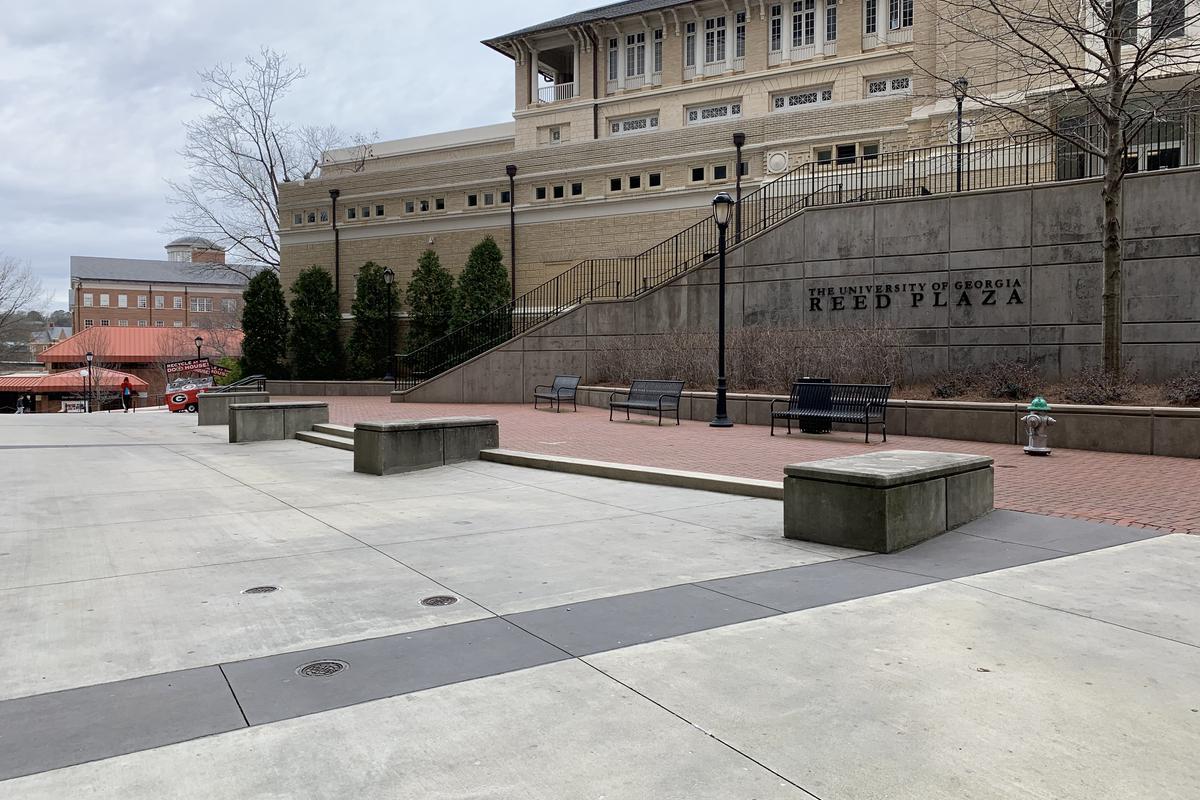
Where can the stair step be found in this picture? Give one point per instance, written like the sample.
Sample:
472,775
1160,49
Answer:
344,431
328,440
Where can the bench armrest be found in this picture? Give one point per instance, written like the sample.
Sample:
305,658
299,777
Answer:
540,386
569,392
612,396
780,400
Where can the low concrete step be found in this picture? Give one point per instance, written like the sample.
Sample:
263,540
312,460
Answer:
326,439
344,431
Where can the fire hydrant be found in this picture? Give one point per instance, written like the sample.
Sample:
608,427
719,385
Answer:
1037,425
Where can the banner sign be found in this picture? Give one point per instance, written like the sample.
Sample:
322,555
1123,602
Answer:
192,365
218,371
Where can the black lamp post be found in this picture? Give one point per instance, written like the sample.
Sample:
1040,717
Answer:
199,340
722,205
88,357
511,171
960,92
739,140
389,277
337,251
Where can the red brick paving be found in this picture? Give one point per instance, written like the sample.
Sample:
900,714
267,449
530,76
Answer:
1133,490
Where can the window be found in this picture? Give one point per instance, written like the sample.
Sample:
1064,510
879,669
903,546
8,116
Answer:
366,212
177,303
423,206
555,135
658,41
87,300
776,31
351,213
870,152
621,127
576,189
143,323
655,179
804,22
831,20
489,198
635,181
312,217
440,204
879,87
698,115
614,184
159,301
1167,18
900,14
177,324
201,305
714,40
87,323
560,192
825,155
743,168
409,206
472,200
158,323
539,193
122,323
870,16
379,211
739,48
635,55
801,98
697,174
143,301
104,323
846,153
229,306
689,45
324,215
720,172
612,59
505,197
297,219
104,301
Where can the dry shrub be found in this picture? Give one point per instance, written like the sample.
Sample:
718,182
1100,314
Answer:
1184,390
1010,380
953,383
1095,387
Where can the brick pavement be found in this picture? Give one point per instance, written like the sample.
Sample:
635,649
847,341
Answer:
1134,490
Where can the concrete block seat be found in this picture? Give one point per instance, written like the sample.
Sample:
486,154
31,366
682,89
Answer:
384,448
885,501
259,422
214,406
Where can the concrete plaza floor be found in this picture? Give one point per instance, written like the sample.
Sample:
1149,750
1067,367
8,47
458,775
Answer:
608,639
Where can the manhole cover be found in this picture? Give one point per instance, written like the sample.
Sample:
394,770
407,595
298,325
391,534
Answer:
439,600
322,669
261,590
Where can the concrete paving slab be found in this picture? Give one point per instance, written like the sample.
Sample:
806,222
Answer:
754,517
1150,585
536,568
269,689
71,727
338,489
953,555
635,496
1053,533
519,736
612,622
938,692
812,585
105,551
88,632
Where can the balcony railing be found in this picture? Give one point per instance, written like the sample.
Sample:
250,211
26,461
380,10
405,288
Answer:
830,49
556,92
715,68
898,36
774,58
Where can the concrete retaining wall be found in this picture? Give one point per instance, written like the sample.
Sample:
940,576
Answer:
329,388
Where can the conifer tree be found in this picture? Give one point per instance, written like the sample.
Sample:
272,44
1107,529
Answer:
313,333
430,298
264,326
367,351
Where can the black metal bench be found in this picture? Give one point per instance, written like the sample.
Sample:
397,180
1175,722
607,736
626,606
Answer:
853,403
648,396
563,388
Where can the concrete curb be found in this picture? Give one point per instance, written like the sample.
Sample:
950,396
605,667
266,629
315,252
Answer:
680,479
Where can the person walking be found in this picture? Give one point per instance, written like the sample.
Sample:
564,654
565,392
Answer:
126,396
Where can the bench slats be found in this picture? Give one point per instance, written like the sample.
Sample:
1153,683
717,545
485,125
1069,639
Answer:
851,403
649,395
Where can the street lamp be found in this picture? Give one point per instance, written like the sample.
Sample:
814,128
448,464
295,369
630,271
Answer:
199,341
960,92
511,171
739,140
88,357
337,251
389,277
722,205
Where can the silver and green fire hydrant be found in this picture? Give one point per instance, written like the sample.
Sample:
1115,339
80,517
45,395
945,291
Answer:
1037,425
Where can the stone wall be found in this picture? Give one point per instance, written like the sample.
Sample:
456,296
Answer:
973,278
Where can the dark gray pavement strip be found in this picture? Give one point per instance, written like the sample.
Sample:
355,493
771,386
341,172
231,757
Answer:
812,585
609,623
55,730
1053,533
269,689
957,555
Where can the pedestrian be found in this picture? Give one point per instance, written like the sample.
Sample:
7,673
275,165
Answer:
126,396
21,404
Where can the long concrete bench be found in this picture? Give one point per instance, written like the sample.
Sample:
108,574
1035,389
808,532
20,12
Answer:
885,501
383,448
214,406
259,422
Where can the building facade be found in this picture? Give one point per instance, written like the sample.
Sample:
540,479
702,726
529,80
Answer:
623,128
192,288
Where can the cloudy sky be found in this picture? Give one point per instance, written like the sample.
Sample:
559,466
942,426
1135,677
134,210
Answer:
93,96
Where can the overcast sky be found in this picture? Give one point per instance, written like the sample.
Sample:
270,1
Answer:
93,96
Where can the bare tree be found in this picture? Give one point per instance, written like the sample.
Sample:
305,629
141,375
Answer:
240,152
20,290
1091,73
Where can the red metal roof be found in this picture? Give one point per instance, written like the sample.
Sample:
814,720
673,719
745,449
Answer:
70,381
141,345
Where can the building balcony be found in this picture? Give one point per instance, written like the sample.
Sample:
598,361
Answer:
556,92
898,36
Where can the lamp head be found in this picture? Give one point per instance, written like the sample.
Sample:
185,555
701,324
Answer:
388,276
722,207
89,356
199,340
960,87
739,139
511,170
333,194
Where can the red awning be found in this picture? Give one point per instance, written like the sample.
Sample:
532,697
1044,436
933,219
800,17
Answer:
70,381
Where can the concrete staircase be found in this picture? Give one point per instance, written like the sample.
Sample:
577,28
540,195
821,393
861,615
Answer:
339,436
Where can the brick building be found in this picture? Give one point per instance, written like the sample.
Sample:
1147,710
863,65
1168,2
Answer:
193,287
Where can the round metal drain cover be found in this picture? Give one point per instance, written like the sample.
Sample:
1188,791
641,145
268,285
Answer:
439,600
261,590
322,669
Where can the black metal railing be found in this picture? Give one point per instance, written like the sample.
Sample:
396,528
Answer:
840,178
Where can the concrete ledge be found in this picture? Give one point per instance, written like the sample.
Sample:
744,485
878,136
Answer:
680,479
214,406
260,422
385,448
330,388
